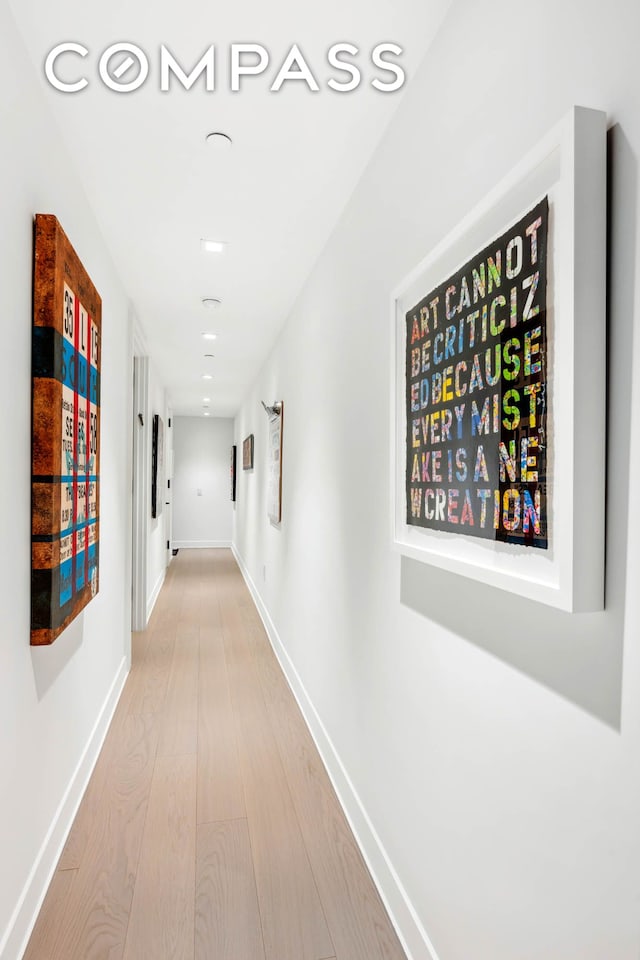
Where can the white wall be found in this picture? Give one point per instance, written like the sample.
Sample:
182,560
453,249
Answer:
491,745
54,700
201,457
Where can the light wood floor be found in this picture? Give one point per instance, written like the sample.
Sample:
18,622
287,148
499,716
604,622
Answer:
209,829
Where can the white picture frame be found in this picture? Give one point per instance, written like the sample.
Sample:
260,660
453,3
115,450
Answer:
568,166
274,489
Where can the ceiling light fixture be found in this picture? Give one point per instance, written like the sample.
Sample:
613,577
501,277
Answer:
206,399
209,336
218,139
211,303
213,246
206,414
207,376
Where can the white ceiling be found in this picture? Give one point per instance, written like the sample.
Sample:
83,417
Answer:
157,187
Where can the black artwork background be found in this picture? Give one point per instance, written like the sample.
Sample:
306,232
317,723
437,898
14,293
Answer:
426,488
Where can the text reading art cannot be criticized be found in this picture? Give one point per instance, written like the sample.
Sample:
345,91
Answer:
476,396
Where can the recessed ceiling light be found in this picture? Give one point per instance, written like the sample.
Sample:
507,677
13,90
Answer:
209,336
213,246
218,139
206,399
207,376
206,414
211,302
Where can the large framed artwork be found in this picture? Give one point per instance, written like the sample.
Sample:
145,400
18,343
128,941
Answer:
65,533
274,489
247,453
498,423
157,465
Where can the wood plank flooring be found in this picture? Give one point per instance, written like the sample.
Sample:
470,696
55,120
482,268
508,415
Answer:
209,829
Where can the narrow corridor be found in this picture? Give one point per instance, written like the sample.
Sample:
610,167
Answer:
209,829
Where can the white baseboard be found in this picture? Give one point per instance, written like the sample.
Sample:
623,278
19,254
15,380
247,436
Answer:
155,593
200,544
410,930
20,927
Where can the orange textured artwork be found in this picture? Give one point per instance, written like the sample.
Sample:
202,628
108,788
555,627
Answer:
67,322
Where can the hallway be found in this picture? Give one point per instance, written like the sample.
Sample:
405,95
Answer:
209,829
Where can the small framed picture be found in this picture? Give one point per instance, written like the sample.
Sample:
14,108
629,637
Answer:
247,453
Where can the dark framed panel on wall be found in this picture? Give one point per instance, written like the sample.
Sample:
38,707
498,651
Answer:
232,472
157,465
499,382
65,521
